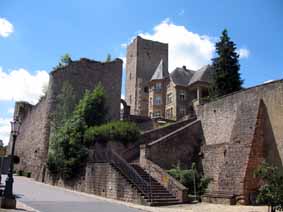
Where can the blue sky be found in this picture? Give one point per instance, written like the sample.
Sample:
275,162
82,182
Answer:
34,34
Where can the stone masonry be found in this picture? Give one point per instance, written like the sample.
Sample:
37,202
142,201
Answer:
33,140
240,131
143,57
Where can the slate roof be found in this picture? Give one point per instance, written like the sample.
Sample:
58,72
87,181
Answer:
202,75
160,72
181,76
186,77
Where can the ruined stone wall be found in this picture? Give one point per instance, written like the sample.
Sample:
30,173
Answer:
31,144
143,57
84,75
233,136
33,140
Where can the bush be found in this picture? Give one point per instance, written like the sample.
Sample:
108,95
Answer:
28,174
187,177
121,131
20,173
271,191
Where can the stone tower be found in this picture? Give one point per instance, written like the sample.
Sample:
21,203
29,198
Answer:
143,58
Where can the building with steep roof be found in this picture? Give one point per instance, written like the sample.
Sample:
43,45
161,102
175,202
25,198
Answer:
150,89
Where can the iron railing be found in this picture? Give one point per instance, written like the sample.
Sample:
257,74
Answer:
130,173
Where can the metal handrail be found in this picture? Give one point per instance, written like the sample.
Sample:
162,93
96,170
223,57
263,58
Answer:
129,172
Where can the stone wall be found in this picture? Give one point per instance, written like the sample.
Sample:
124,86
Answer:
240,130
143,57
31,145
161,175
103,180
33,140
133,152
180,146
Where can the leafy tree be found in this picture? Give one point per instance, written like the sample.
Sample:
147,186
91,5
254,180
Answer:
191,178
68,151
64,60
226,78
271,191
108,58
92,107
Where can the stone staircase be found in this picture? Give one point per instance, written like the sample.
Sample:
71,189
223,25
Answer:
157,194
150,190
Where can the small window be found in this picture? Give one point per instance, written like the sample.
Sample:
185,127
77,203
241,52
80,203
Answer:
145,89
157,100
169,98
150,101
130,99
158,86
156,114
182,95
169,113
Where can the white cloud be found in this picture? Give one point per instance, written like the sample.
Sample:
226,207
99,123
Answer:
185,47
124,45
5,129
6,28
243,52
20,85
11,110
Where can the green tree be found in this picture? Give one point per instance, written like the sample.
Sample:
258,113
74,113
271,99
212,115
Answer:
226,78
191,178
271,191
64,60
108,58
68,151
93,107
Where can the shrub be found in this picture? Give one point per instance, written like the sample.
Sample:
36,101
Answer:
121,131
20,173
28,174
271,192
187,178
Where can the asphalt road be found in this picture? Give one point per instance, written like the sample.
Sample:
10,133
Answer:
51,199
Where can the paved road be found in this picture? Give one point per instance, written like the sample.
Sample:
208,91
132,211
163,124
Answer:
51,199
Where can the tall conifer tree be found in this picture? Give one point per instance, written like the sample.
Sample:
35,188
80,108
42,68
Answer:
226,77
